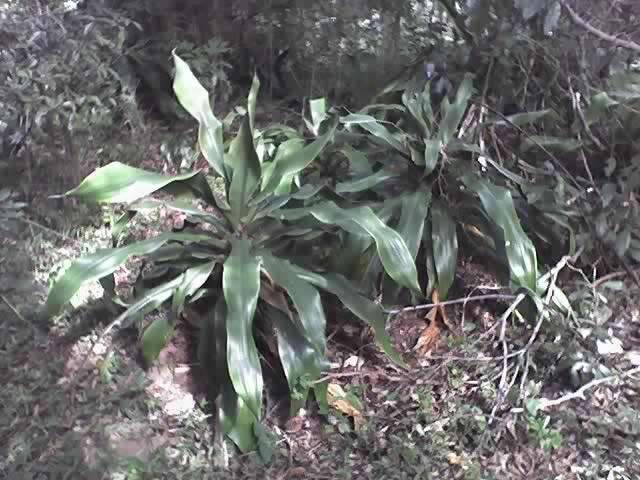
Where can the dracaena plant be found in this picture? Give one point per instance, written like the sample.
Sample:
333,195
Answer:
245,256
419,169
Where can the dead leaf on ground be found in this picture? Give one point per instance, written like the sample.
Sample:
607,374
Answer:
344,403
455,459
430,335
294,424
296,472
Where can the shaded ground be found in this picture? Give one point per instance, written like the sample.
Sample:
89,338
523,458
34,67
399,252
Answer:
442,418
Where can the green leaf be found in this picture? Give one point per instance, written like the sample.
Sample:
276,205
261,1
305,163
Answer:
246,172
366,183
431,154
241,286
118,226
252,100
445,247
623,242
430,263
455,111
520,252
373,126
358,161
235,419
318,109
120,183
104,262
598,108
266,443
413,214
155,337
192,280
413,102
558,297
298,357
195,100
305,298
295,162
393,252
270,205
285,148
525,118
358,304
553,143
151,300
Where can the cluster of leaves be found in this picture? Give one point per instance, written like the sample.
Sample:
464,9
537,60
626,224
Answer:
58,71
242,255
424,155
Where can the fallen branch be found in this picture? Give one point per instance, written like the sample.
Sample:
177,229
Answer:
578,20
476,298
546,403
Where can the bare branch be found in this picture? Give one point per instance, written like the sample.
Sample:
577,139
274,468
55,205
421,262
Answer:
546,403
476,298
578,20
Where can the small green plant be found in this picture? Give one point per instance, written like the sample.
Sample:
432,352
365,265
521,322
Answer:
242,257
538,428
425,156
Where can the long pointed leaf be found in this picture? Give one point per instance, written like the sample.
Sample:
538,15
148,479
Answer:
155,337
413,214
241,286
373,126
246,172
286,148
365,183
235,418
455,111
298,357
120,183
520,252
252,100
393,252
358,304
305,298
445,248
195,100
192,280
104,262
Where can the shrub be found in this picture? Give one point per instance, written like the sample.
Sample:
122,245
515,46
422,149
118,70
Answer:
243,255
431,190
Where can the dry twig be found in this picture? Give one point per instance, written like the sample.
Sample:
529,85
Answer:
578,20
546,403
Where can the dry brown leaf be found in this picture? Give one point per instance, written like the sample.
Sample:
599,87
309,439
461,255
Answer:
296,472
430,335
294,424
337,398
455,459
435,298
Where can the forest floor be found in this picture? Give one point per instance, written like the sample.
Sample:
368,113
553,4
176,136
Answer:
441,418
